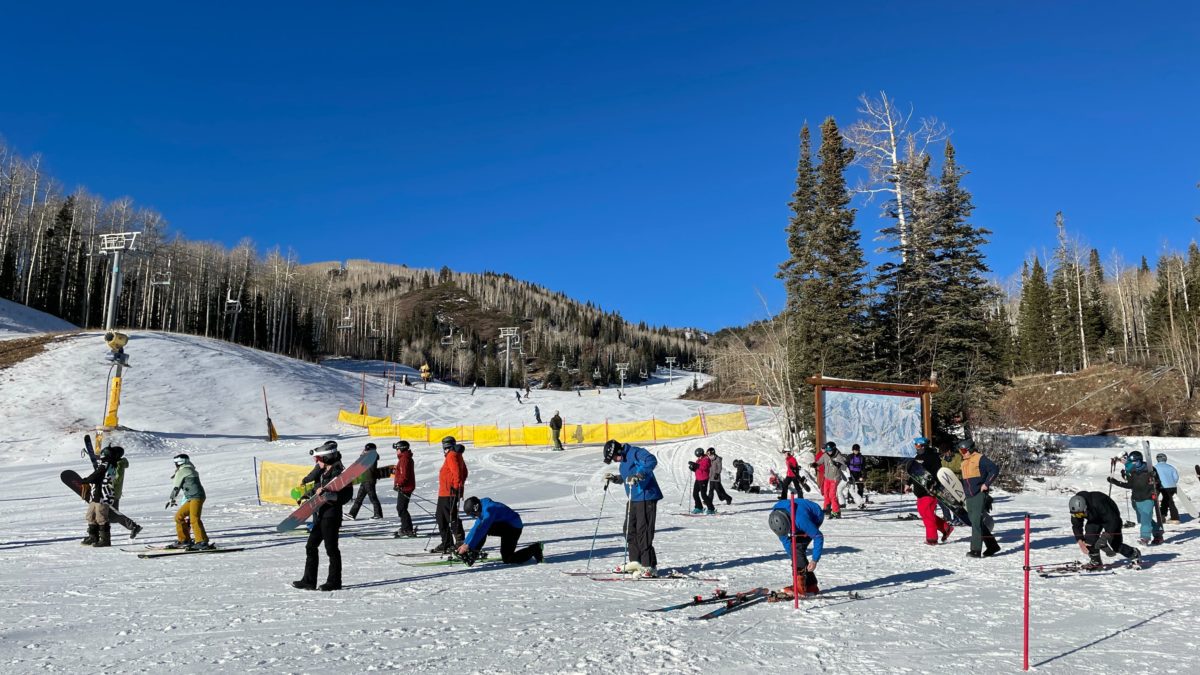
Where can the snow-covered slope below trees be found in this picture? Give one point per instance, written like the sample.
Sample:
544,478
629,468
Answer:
17,320
924,608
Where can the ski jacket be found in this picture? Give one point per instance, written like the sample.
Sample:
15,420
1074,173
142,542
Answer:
920,476
856,463
101,480
832,467
371,475
807,518
745,472
320,479
1140,483
403,476
793,467
819,466
954,463
977,471
1102,515
714,472
453,476
640,461
1168,476
491,512
187,480
119,481
703,465
556,422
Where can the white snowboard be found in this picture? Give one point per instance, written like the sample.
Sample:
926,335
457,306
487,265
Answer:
952,484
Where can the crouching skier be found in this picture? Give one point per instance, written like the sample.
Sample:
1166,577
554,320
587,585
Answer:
808,519
493,519
1096,522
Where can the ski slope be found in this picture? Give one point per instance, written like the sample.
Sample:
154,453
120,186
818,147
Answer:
924,609
17,321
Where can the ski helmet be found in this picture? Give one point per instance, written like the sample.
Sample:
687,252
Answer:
855,448
712,451
699,452
112,453
400,445
181,459
472,507
460,448
831,449
369,446
1078,506
612,449
966,444
1136,457
779,522
448,444
1160,457
324,448
920,440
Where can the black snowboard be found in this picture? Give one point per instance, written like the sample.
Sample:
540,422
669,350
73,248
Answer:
75,482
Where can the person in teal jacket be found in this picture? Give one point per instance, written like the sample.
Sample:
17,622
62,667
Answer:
187,519
637,473
494,519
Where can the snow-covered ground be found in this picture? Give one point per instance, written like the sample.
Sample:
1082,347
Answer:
17,320
924,609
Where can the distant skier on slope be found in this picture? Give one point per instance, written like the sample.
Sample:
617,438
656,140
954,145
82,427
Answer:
187,519
1143,487
404,482
922,488
637,472
367,489
1096,522
327,521
808,518
494,519
700,471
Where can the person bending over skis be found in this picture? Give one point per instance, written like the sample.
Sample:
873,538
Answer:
493,519
808,519
1096,522
637,472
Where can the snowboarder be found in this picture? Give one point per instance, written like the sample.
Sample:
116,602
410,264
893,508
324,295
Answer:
808,518
927,503
856,463
1168,481
1096,522
1143,488
404,482
327,521
833,464
187,519
451,480
493,519
537,413
556,430
114,514
700,469
637,472
978,474
743,476
793,476
100,509
367,489
714,477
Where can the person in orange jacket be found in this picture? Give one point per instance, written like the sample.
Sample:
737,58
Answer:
451,480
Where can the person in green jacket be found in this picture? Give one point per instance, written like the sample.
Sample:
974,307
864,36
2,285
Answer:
115,515
187,480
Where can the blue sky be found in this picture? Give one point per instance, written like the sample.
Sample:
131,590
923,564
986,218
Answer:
636,155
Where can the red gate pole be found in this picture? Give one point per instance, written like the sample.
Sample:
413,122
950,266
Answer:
795,575
1026,645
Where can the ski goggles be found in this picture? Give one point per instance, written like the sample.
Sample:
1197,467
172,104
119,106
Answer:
1078,514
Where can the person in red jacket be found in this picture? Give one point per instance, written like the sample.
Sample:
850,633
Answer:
451,480
701,468
404,482
793,476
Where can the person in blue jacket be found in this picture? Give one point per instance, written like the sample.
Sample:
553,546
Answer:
637,472
495,519
1168,483
808,518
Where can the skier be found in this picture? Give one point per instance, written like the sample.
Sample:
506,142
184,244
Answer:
518,396
556,430
978,474
700,470
367,489
114,514
473,385
451,480
493,519
808,518
1168,481
856,463
637,472
100,509
1143,487
743,476
327,521
1096,522
793,476
714,477
537,413
187,519
404,482
832,464
929,460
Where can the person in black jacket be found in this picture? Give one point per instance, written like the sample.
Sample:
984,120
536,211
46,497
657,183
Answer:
327,521
367,489
922,471
1142,483
556,430
1096,522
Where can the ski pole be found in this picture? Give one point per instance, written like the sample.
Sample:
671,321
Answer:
597,532
628,501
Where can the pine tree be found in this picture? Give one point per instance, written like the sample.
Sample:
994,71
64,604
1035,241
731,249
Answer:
1035,339
1065,302
799,264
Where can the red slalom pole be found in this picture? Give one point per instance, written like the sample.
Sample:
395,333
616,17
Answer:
795,575
1026,645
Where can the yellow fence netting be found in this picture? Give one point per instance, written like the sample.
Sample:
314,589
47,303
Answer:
275,481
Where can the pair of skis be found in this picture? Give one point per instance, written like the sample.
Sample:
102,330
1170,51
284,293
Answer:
1076,568
164,552
738,601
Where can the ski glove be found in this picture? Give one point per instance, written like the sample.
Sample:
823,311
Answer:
612,478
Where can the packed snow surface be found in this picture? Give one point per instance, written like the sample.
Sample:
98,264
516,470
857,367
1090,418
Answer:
923,608
18,321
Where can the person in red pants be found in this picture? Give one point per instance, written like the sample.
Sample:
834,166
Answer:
922,472
834,471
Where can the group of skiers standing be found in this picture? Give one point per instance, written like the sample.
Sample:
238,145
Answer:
836,475
707,481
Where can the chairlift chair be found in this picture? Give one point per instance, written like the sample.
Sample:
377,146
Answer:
642,372
232,306
347,322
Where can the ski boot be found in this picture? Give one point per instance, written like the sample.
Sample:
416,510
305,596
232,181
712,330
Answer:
441,548
405,533
201,546
304,585
697,511
327,586
377,516
539,551
1143,541
946,534
1135,562
836,514
1092,565
631,567
728,501
710,512
649,573
182,543
105,538
134,532
92,536
1156,541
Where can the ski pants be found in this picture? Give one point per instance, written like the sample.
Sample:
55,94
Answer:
715,488
448,521
829,493
639,533
700,492
934,525
367,489
187,518
1108,541
981,537
1150,529
402,510
794,481
115,515
97,514
326,527
1167,507
809,579
555,434
856,479
509,536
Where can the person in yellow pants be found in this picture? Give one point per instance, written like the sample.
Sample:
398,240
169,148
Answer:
187,519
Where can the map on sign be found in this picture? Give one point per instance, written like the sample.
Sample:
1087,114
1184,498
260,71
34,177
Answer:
884,424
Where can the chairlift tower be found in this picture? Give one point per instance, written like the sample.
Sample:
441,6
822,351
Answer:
622,368
115,243
670,369
509,333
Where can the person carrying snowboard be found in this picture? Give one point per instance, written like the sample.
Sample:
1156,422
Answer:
700,471
494,519
793,476
978,474
404,482
187,519
922,471
367,489
1168,481
1096,522
1143,488
100,509
637,473
832,465
327,521
556,430
714,477
451,480
808,518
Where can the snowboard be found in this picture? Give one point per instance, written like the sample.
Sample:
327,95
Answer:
308,508
951,484
75,482
917,475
